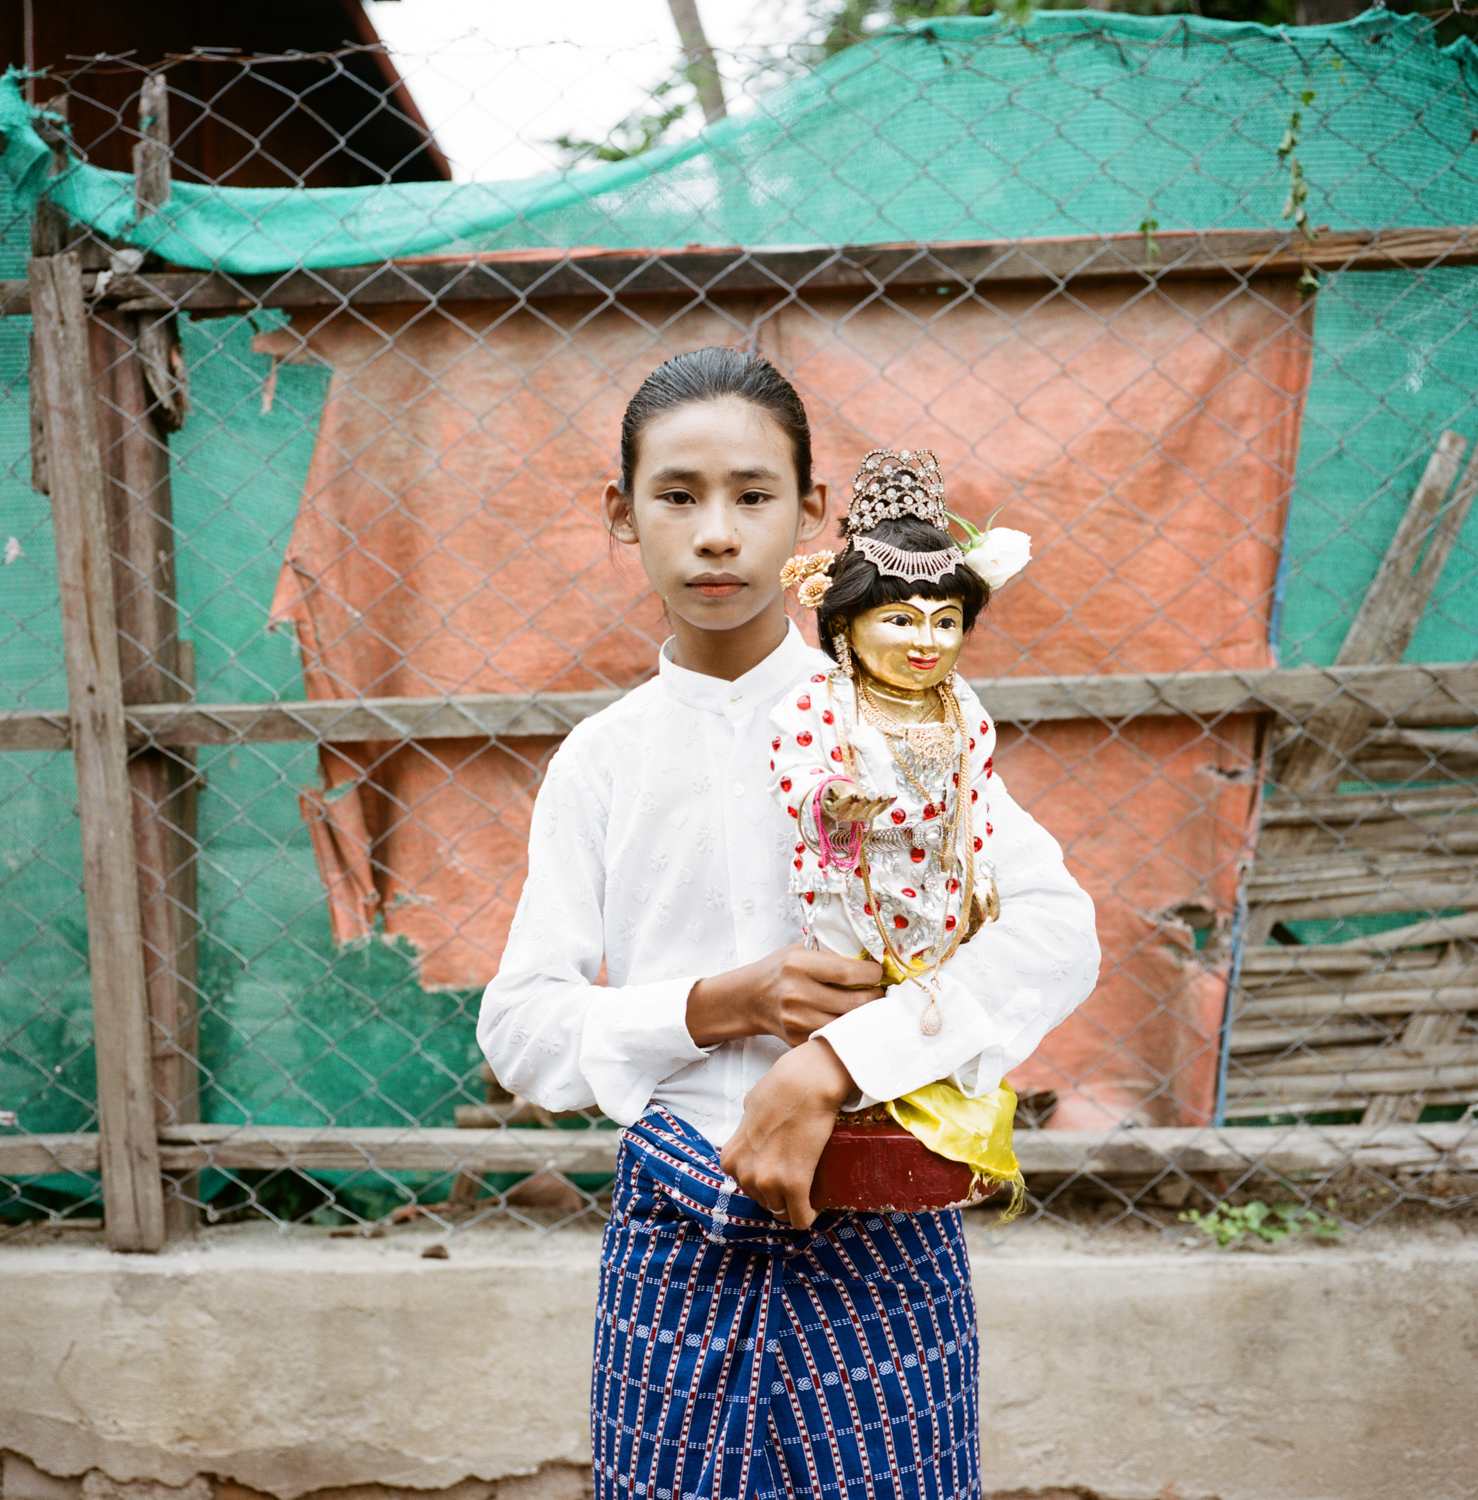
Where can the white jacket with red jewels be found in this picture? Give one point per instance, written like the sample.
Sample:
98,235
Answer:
999,998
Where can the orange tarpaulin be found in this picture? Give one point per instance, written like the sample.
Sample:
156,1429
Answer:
449,541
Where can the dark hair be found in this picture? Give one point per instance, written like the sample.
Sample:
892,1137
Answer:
857,586
710,375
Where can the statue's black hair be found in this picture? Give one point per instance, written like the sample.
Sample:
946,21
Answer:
857,586
710,375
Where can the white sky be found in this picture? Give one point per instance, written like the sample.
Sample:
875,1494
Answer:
497,78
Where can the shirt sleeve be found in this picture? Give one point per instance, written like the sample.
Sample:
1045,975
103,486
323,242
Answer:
548,1030
1002,992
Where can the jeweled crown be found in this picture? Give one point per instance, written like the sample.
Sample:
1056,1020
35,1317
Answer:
890,485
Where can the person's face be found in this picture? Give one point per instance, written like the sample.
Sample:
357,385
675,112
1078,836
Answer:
910,646
716,510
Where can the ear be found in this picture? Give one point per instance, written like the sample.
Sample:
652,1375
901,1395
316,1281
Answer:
617,507
815,512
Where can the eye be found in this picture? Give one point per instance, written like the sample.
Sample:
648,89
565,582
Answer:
677,497
897,620
949,623
753,497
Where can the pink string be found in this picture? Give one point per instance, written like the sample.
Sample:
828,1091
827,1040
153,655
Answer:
842,856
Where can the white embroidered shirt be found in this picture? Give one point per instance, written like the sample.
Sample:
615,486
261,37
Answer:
656,850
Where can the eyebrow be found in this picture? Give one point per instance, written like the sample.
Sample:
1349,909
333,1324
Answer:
673,474
935,606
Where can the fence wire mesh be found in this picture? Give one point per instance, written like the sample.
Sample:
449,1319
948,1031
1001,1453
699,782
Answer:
1126,275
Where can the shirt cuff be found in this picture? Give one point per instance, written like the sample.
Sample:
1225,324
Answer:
881,1046
633,1038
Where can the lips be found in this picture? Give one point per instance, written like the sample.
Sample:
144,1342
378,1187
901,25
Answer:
923,663
716,585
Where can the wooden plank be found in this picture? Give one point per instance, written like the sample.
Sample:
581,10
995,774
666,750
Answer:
1116,1153
711,271
1417,694
41,1155
129,1155
1255,1019
135,415
1365,953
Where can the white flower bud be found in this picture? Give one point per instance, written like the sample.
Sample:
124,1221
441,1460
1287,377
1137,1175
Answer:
1000,555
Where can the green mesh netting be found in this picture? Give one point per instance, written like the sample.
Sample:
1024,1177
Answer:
969,128
1084,123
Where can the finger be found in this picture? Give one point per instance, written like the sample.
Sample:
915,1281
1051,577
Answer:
832,969
798,1206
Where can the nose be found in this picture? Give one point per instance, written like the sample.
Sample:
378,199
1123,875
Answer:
716,535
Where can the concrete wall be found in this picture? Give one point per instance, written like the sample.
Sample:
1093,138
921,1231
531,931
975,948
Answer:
1123,1367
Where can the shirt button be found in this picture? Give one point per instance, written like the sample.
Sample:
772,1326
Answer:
738,789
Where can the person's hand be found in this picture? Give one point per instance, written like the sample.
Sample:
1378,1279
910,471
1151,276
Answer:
846,802
789,993
788,1119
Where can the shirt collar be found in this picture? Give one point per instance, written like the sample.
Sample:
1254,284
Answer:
783,666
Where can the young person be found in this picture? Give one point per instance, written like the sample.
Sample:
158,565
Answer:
744,1347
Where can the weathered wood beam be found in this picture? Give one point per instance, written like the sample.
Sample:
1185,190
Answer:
524,275
1137,1152
1434,694
132,1192
1109,1154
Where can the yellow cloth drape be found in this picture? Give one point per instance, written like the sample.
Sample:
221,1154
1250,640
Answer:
974,1131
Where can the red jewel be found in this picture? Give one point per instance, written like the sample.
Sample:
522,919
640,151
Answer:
972,744
836,754
827,717
803,702
930,811
791,811
803,738
775,743
952,885
974,795
957,778
800,848
949,924
772,767
819,677
979,842
989,829
810,897
990,760
912,895
985,726
900,922
867,907
799,863
916,855
785,783
898,814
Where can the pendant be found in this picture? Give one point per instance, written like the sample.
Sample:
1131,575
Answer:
931,1023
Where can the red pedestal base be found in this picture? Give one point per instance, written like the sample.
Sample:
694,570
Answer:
870,1164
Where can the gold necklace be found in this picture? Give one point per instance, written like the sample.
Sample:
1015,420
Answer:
932,744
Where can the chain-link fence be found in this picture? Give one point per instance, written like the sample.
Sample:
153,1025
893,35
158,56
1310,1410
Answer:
1195,301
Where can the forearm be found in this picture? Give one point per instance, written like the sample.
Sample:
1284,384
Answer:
721,1009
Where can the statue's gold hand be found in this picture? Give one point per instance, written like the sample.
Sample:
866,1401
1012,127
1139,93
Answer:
846,802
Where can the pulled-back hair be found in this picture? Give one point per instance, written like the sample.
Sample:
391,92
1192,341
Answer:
857,586
710,375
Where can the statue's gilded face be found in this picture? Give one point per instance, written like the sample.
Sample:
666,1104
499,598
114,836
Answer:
911,646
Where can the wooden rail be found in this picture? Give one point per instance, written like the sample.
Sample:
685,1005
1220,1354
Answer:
523,275
1429,695
1123,1153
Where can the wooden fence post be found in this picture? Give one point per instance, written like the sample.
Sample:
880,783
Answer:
138,378
128,1143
